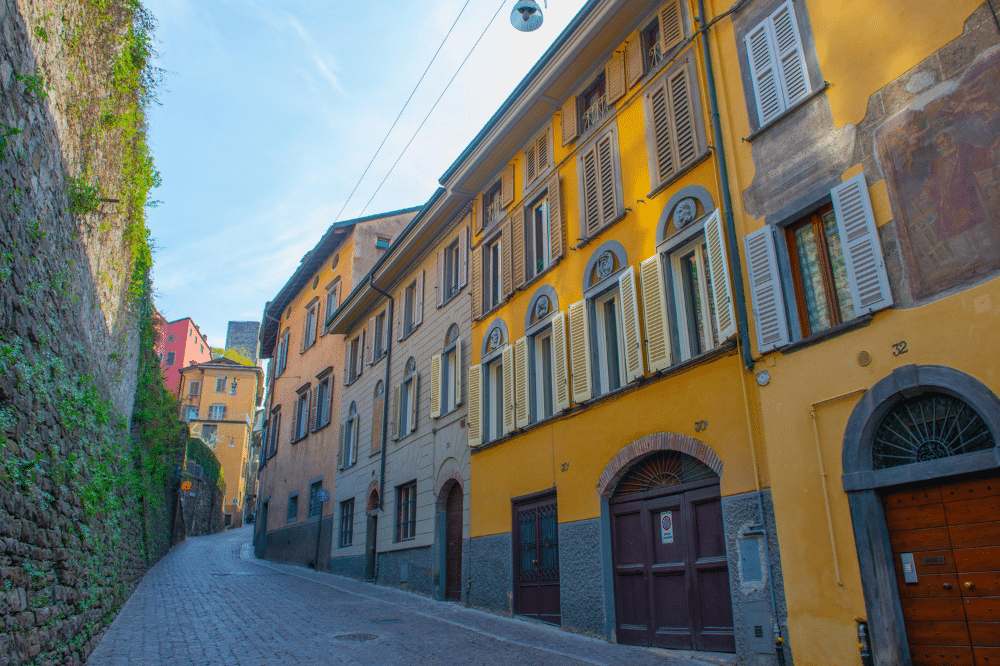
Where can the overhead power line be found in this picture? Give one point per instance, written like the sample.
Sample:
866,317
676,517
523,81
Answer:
464,60
407,103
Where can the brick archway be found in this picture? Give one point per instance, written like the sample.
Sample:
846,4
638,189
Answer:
640,448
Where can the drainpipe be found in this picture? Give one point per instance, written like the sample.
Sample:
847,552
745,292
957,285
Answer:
727,202
385,397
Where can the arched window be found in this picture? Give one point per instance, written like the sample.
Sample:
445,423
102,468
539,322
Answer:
406,400
446,375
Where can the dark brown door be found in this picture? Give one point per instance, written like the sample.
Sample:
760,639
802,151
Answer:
453,544
536,559
952,533
671,572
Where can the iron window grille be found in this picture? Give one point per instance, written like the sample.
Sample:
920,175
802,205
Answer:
346,522
406,511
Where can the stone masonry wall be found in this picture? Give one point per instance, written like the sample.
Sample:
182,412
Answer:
72,542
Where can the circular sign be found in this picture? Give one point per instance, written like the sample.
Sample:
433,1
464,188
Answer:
323,494
185,486
665,521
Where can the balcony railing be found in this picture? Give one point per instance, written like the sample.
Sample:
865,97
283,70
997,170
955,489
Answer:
592,114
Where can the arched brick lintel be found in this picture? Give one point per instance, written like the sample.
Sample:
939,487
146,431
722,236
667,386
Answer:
640,448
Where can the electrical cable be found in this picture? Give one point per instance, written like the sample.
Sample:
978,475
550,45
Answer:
452,80
405,104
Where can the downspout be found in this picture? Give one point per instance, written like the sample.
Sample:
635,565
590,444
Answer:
741,310
727,201
385,397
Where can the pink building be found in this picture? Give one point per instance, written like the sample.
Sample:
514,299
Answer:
180,344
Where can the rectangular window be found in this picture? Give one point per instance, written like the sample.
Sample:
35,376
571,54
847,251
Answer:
409,307
382,242
593,105
322,404
608,343
302,416
492,205
408,406
672,109
600,183
536,158
220,384
315,506
492,275
210,434
282,353
191,414
697,328
449,372
537,237
354,359
651,53
217,412
309,334
275,430
451,264
379,335
194,388
293,508
493,402
170,357
332,297
406,511
819,272
542,399
346,523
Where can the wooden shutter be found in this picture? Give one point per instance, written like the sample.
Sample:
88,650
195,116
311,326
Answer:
631,332
763,73
313,422
377,423
506,281
671,25
530,163
866,273
507,186
555,217
400,311
718,263
570,129
517,247
477,282
477,215
458,372
560,369
614,78
370,344
791,58
361,351
340,448
765,289
440,278
463,256
395,413
354,445
475,405
507,358
436,385
663,139
579,351
295,419
654,313
634,66
387,325
418,301
414,402
606,170
347,363
591,198
521,383
542,152
673,130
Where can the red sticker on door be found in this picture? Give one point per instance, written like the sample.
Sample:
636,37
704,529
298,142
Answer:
666,527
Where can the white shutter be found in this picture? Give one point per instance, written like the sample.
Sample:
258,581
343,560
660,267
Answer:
570,128
521,411
663,140
507,357
369,345
791,59
634,68
560,369
763,72
436,385
765,289
475,405
609,185
654,313
555,218
415,401
418,301
862,250
395,413
718,261
440,278
477,282
463,257
361,351
579,351
530,163
506,261
458,372
614,78
671,25
400,310
631,336
507,186
542,152
517,251
590,210
340,448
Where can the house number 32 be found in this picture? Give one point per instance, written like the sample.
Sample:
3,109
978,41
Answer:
899,348
700,425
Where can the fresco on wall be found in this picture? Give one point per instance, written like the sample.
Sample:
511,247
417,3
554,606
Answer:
942,168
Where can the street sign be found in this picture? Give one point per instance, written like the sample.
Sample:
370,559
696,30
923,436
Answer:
185,486
323,495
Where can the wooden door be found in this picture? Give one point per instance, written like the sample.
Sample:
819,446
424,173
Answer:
536,559
670,568
453,544
951,603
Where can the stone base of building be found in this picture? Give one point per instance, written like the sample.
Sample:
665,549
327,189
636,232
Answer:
296,544
352,566
490,571
411,569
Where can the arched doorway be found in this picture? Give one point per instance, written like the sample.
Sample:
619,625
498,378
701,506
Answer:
671,573
453,511
370,534
923,483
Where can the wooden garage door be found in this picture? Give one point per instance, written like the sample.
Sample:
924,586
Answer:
952,532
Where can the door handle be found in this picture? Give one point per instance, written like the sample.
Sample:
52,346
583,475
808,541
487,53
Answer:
947,586
969,585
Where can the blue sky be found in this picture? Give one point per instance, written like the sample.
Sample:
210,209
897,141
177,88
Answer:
269,113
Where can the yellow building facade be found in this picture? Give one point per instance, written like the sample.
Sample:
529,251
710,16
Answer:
218,402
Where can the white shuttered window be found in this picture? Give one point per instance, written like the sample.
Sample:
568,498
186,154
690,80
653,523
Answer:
777,64
600,184
671,130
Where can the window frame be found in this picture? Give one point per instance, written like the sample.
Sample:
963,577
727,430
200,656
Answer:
382,243
354,351
187,413
592,146
293,499
282,353
274,432
302,415
406,511
599,333
409,400
531,268
449,370
452,262
332,299
493,379
171,357
492,269
684,314
194,388
324,403
349,454
492,203
217,412
379,346
599,87
539,379
530,151
220,381
346,523
309,330
314,508
210,439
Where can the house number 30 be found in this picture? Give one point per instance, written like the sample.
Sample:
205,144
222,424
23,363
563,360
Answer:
700,425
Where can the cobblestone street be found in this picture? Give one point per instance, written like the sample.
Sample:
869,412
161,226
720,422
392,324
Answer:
210,602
